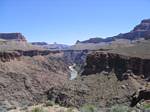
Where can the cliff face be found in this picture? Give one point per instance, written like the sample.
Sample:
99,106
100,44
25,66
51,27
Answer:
8,56
32,53
140,31
12,55
143,26
12,36
105,61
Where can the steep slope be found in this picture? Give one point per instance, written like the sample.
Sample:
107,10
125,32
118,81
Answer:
108,78
97,89
27,72
24,79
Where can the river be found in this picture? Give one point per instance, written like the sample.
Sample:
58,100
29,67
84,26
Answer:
73,72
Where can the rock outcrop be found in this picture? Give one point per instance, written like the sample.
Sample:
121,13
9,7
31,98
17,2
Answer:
143,26
32,53
140,31
141,95
12,36
107,61
97,89
12,55
67,96
8,56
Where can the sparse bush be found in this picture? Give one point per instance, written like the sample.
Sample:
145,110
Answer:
119,108
146,106
88,108
38,109
70,110
50,103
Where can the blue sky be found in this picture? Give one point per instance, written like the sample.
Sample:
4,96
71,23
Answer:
65,21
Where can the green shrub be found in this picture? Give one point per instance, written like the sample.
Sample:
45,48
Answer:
146,106
88,108
50,103
70,110
119,108
38,109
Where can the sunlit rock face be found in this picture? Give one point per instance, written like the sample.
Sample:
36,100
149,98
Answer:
13,36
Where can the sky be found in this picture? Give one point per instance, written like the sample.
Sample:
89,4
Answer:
66,21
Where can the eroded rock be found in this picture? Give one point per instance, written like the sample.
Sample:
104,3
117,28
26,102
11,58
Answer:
141,95
100,61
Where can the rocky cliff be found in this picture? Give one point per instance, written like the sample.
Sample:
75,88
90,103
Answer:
12,55
12,36
32,53
140,31
107,61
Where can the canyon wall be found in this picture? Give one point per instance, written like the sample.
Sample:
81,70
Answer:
105,61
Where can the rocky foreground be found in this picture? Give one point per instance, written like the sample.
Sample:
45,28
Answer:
25,79
27,72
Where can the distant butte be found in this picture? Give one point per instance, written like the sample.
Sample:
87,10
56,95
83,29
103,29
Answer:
13,36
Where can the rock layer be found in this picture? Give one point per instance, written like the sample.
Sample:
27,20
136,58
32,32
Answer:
12,36
107,61
8,56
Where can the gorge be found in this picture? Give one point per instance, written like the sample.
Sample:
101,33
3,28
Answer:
100,72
